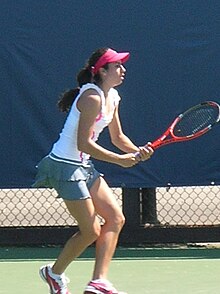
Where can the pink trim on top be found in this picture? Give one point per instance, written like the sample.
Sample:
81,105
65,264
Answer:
98,117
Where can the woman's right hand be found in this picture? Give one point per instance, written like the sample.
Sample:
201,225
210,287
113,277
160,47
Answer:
127,160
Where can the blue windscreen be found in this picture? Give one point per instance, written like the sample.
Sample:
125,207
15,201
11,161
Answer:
174,64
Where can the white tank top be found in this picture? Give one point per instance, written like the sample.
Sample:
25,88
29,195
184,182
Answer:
66,146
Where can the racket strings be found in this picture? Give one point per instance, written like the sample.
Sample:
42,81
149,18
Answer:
195,120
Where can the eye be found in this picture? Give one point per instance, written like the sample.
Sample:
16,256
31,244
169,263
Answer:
118,65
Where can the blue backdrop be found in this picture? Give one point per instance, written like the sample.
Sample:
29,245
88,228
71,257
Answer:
174,64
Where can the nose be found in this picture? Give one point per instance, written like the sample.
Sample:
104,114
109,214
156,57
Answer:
123,68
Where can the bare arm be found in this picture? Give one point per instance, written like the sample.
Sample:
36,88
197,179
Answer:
89,105
120,140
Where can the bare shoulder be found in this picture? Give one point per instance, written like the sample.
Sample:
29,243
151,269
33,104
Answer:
89,100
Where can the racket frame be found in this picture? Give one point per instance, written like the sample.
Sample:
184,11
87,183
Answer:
165,140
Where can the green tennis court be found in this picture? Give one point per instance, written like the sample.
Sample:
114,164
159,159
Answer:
132,270
133,276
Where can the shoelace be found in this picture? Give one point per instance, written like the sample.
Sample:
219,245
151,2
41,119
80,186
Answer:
63,281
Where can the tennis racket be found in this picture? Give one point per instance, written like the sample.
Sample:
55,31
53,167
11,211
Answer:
190,125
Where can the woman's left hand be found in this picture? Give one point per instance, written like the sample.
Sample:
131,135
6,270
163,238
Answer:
145,152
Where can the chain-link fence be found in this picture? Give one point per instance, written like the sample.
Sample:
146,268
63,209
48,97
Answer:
187,206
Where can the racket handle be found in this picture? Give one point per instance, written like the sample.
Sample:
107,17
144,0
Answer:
137,154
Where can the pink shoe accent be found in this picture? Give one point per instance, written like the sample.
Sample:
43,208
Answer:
101,287
57,285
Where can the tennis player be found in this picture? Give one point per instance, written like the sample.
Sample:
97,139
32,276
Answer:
68,169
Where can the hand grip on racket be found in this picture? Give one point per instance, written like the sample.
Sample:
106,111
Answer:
189,125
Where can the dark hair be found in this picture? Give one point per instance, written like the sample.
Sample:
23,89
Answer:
83,77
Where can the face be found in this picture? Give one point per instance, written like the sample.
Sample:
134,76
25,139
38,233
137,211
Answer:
115,74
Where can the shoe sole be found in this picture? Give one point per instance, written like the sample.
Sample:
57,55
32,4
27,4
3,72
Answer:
96,291
93,291
43,274
43,277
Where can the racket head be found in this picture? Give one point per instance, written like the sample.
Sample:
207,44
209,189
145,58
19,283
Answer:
195,121
191,124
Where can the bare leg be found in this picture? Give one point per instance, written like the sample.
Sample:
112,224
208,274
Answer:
106,206
83,211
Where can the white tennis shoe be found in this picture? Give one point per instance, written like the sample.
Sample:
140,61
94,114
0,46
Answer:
56,283
101,286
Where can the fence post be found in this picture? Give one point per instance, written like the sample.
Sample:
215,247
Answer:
131,206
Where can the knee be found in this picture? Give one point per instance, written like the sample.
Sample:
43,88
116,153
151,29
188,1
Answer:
122,221
119,221
95,232
92,233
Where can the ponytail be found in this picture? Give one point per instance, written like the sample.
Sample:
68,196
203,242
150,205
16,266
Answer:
84,76
66,99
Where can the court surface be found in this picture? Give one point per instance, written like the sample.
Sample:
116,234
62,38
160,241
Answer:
186,272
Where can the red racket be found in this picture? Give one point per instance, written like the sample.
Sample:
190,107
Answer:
190,125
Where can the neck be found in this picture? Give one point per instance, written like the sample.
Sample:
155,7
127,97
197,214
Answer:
105,88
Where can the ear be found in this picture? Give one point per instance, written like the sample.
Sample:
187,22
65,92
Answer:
102,70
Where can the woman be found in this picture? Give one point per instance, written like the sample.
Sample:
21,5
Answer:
68,169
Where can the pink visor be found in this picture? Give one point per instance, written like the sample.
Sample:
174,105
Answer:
110,56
